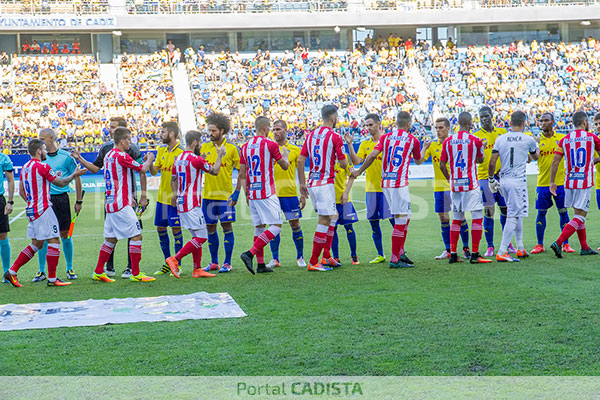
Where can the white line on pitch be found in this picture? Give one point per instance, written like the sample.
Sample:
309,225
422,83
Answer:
19,215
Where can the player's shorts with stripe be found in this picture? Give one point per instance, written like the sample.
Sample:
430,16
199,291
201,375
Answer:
217,210
323,199
578,198
166,215
45,227
62,209
377,206
4,223
597,199
122,224
347,213
290,207
265,211
517,198
398,199
544,199
467,201
194,221
490,198
442,201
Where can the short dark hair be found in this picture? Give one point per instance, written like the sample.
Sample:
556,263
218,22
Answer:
403,119
220,121
518,118
120,121
120,134
485,109
172,126
552,115
192,136
578,118
328,111
35,145
465,118
373,116
260,122
443,120
281,122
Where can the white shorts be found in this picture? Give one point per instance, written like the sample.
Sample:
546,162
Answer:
578,198
323,199
516,197
45,227
266,211
398,199
122,224
194,221
467,201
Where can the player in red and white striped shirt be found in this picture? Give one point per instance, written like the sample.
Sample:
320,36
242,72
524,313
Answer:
257,165
186,181
323,147
121,221
462,152
34,188
577,148
397,148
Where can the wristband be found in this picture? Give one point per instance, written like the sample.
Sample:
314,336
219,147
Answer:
80,202
235,195
12,203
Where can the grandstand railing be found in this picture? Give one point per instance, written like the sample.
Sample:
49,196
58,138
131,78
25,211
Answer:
233,6
36,7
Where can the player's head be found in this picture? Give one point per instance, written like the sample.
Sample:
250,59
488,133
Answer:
193,139
37,149
169,132
517,121
329,114
546,122
404,120
262,126
218,126
485,117
122,138
372,123
580,120
49,137
279,130
465,121
597,122
442,128
116,122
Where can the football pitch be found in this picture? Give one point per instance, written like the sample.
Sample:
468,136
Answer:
536,317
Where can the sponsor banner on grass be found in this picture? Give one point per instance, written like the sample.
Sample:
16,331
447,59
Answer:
200,305
299,387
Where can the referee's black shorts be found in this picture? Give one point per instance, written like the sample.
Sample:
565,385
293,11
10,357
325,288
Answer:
4,227
62,208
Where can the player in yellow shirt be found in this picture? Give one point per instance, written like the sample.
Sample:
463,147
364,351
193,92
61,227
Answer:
166,215
548,142
377,206
218,191
441,189
287,192
347,214
490,133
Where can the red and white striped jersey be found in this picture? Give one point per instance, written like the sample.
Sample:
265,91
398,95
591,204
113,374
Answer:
118,181
322,147
259,155
188,169
461,152
397,147
35,179
578,151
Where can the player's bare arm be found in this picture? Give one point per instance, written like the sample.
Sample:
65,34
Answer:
368,161
79,195
492,165
553,170
148,160
174,188
444,169
283,162
10,180
353,156
62,182
302,177
421,158
88,165
346,194
241,182
217,165
154,169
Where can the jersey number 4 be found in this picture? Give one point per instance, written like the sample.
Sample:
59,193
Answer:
460,161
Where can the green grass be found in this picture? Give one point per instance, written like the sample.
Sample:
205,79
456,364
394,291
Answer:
537,317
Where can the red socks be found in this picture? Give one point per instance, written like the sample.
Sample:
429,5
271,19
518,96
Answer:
105,252
454,234
190,247
398,240
319,242
327,247
476,233
261,239
52,257
570,229
26,254
135,254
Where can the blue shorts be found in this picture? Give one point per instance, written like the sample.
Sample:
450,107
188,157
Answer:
347,214
290,207
442,201
377,206
598,198
544,199
490,198
166,215
217,210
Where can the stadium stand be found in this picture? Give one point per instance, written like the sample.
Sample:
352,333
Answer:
54,6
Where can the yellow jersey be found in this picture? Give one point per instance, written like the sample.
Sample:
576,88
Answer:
482,169
220,187
440,183
285,181
165,159
373,175
547,148
341,181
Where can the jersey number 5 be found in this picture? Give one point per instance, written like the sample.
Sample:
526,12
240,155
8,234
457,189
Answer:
316,154
396,152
